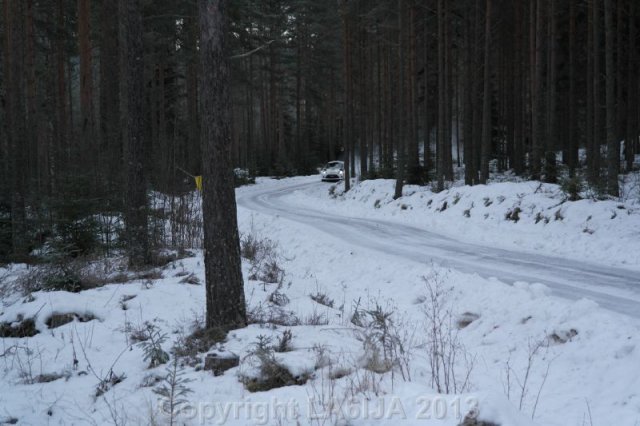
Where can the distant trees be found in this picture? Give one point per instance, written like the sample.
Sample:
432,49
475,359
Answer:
401,89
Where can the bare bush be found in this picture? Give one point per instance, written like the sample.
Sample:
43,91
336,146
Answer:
536,351
325,402
272,315
387,341
322,299
272,373
178,220
451,364
284,342
263,256
278,298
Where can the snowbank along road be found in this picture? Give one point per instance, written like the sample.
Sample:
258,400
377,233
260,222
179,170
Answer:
616,289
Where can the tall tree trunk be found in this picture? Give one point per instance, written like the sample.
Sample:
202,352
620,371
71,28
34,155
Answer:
426,125
613,146
572,148
469,170
413,158
32,120
631,138
538,123
16,124
597,97
442,93
132,105
486,107
62,107
401,113
86,74
226,307
551,143
347,131
111,144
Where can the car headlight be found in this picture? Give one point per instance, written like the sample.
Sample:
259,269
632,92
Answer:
341,172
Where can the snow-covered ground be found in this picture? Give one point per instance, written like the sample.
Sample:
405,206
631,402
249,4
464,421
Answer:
528,354
606,232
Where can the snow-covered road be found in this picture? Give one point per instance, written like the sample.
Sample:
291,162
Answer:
613,288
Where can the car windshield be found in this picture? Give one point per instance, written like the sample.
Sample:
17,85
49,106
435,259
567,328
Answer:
333,165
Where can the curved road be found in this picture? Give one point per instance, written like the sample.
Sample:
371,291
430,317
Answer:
616,289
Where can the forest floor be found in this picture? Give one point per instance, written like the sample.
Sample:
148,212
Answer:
367,325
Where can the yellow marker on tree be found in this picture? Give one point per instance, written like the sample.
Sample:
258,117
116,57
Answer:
198,180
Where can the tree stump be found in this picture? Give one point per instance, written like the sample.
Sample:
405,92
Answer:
220,362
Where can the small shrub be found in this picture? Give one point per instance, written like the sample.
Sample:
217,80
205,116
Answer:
270,272
108,382
377,203
572,187
487,201
284,342
456,198
71,275
322,299
200,341
49,377
263,257
316,319
513,215
466,319
272,374
278,298
173,390
64,280
57,320
152,345
561,337
20,328
443,207
385,345
558,215
444,351
242,177
124,299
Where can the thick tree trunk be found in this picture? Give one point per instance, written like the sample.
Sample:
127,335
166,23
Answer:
225,287
132,105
